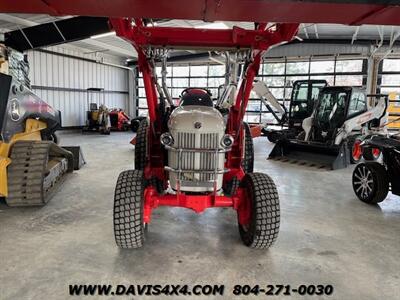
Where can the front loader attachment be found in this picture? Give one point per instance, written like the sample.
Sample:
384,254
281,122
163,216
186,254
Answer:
311,154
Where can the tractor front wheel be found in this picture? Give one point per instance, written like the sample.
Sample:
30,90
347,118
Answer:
129,228
262,207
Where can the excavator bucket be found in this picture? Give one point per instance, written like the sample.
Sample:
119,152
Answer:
311,154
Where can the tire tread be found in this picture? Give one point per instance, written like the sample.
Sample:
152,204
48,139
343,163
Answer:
265,204
128,210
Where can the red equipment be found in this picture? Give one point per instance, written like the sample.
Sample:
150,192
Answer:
119,120
259,40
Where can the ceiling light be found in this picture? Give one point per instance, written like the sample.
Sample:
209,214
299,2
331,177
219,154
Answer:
98,36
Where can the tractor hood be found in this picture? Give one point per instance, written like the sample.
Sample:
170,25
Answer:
195,118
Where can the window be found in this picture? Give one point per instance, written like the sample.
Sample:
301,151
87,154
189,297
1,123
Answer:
279,76
322,66
274,81
198,82
180,82
198,71
159,69
391,65
391,80
277,92
297,67
216,70
143,112
252,117
331,110
274,68
254,106
349,80
354,65
358,104
390,85
141,92
301,92
179,71
329,78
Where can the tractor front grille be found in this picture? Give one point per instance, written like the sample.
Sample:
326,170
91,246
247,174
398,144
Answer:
197,160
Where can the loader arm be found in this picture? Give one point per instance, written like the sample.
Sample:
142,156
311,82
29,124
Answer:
376,112
269,100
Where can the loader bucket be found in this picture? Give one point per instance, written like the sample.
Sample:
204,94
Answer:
76,151
311,154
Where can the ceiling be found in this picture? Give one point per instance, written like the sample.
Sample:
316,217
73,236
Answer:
114,46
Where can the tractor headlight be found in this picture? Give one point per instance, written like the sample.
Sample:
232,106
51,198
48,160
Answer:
167,139
227,141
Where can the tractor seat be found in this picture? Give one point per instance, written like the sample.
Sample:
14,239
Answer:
192,96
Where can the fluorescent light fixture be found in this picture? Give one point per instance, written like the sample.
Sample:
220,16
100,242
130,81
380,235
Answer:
99,36
213,25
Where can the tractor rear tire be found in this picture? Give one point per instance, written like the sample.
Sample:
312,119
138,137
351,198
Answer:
156,183
129,228
263,229
141,145
231,186
247,163
370,182
248,160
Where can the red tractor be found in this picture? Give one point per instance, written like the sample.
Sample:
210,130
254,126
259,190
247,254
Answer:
192,155
203,170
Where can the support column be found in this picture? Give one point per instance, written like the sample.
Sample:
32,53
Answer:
132,89
372,74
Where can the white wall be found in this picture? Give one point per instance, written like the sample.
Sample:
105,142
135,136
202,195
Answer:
59,72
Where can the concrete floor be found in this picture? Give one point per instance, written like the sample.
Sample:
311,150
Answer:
327,236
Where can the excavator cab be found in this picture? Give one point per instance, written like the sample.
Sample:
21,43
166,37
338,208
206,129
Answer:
304,95
330,114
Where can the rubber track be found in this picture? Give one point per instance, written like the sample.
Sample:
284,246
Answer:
26,174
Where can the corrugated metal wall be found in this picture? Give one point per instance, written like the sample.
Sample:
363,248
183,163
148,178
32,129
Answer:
61,81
